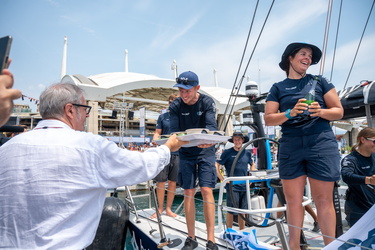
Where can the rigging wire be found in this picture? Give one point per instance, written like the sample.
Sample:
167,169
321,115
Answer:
325,41
337,35
252,53
239,68
359,44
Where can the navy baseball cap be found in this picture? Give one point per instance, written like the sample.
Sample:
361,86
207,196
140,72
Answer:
187,80
316,53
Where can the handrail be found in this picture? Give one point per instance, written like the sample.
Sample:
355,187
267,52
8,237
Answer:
249,179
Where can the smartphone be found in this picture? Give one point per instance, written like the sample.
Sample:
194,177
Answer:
5,43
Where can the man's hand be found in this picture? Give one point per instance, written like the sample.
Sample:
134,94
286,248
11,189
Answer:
174,144
7,95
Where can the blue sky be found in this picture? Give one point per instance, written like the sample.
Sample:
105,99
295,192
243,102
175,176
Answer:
200,35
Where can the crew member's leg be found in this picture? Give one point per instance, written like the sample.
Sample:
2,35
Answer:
207,180
242,201
323,171
322,193
186,180
172,181
170,197
189,207
310,210
293,190
160,192
229,220
209,211
241,222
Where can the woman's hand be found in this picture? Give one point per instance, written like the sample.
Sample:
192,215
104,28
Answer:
315,109
299,107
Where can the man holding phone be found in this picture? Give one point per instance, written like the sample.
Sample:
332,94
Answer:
7,94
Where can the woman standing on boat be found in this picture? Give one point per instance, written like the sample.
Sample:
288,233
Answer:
358,171
308,147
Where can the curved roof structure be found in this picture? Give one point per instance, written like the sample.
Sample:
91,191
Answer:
143,91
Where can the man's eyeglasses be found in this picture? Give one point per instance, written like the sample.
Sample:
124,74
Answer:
185,81
370,139
88,108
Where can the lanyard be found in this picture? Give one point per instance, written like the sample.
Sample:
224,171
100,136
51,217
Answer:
46,127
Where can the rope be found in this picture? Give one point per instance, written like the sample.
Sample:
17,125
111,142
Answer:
243,76
359,44
325,41
337,35
239,68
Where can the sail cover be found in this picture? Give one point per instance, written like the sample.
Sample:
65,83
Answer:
354,99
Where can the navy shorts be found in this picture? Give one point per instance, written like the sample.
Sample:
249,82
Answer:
202,168
239,197
170,171
313,155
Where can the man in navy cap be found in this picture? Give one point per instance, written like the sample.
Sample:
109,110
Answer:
195,110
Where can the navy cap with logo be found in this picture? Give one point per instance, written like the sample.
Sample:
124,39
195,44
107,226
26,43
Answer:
316,53
187,80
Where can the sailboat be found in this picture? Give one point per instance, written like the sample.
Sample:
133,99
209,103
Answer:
168,232
267,230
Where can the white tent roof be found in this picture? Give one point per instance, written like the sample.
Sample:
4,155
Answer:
143,90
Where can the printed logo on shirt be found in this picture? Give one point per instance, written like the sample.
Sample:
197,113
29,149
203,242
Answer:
185,113
367,167
199,113
291,88
213,107
345,162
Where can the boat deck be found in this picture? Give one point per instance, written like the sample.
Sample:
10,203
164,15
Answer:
175,230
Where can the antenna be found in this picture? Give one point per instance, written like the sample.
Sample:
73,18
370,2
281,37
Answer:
63,64
215,78
174,68
126,61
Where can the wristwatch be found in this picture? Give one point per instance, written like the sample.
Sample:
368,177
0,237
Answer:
287,114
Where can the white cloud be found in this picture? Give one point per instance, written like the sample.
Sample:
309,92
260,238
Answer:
78,23
169,35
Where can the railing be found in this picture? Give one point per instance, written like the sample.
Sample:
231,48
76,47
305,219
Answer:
250,179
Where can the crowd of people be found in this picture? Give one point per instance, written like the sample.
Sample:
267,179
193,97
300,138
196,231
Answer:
58,169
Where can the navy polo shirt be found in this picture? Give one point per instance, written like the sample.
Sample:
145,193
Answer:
287,93
199,115
163,123
354,169
241,168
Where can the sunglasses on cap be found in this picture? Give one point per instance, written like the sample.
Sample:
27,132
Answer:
184,81
370,139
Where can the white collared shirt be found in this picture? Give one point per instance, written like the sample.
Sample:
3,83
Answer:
53,182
